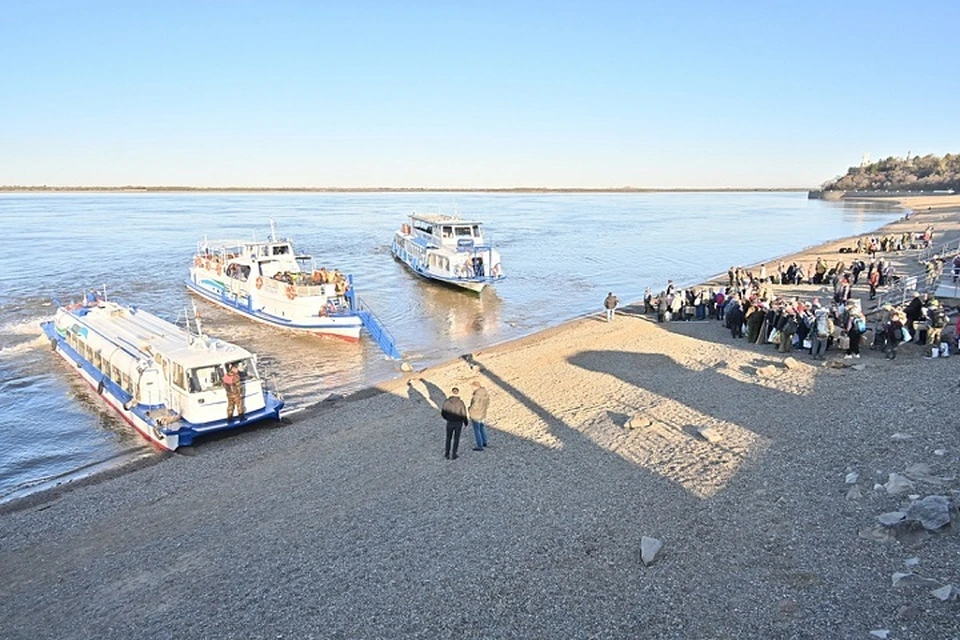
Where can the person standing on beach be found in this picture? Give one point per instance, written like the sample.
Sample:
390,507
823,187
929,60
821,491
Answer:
478,414
610,304
455,413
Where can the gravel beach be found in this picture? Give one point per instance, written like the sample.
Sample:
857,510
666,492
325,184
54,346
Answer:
349,523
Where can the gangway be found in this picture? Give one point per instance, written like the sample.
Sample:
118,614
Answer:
373,325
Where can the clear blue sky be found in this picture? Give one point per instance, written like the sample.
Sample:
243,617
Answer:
471,94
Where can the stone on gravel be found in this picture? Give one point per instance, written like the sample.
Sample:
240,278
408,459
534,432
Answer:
891,518
854,493
880,633
877,533
767,372
710,434
405,366
939,452
649,548
901,436
638,422
900,579
933,512
791,363
852,477
912,562
859,367
946,592
897,484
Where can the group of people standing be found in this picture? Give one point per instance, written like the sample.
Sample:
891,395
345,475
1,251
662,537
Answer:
457,415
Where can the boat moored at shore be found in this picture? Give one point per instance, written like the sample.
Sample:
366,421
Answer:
268,282
165,381
448,249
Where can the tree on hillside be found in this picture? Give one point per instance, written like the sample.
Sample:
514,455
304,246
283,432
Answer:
924,173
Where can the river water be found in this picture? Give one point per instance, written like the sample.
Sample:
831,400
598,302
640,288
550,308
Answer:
562,253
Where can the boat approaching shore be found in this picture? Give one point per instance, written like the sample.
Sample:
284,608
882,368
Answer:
166,382
448,249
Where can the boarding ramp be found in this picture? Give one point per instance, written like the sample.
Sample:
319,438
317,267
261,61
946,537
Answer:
373,325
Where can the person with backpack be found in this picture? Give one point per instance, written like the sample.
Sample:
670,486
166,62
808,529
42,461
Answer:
821,333
937,321
856,327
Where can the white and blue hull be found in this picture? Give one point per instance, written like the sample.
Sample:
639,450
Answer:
301,317
164,436
416,257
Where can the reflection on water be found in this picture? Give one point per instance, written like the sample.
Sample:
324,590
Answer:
459,314
562,253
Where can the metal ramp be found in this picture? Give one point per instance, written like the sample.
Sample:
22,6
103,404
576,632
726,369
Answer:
374,327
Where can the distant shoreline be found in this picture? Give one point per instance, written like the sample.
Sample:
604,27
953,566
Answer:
176,189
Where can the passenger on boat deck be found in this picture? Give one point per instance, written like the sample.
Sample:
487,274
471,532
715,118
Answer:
93,298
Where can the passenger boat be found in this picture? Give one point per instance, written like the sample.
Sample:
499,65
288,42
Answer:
268,282
448,249
163,380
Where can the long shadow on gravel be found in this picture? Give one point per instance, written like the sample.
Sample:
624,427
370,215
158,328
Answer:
708,391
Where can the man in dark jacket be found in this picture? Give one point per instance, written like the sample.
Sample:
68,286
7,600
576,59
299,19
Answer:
455,413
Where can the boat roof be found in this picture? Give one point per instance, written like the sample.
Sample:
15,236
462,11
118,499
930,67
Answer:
440,218
146,334
226,244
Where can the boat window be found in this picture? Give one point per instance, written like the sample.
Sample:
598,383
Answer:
463,231
246,367
178,376
447,232
281,250
211,377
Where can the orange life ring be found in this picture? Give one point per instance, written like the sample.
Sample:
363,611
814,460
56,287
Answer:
259,282
291,292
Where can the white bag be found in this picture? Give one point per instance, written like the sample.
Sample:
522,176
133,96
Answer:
944,350
934,352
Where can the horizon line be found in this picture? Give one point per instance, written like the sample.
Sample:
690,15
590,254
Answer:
180,188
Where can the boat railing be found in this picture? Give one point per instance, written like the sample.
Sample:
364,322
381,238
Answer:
375,327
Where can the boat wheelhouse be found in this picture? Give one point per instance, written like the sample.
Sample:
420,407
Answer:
165,381
448,249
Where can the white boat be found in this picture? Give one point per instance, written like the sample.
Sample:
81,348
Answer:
164,381
448,249
268,282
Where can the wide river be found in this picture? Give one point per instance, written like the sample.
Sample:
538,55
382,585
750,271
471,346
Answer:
561,253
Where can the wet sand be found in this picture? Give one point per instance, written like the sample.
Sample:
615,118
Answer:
349,523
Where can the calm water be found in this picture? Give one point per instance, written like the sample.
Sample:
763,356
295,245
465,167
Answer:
561,253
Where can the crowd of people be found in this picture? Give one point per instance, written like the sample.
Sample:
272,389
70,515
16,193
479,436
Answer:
750,307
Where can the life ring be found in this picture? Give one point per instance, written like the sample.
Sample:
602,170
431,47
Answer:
219,269
496,271
291,292
259,282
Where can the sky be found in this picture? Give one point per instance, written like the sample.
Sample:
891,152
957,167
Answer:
449,94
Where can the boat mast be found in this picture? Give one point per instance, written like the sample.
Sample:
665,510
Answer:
273,231
196,321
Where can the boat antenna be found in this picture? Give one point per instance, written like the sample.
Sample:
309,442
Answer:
104,291
196,320
273,231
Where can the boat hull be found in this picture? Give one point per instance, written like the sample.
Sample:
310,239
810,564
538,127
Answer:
476,284
165,437
346,326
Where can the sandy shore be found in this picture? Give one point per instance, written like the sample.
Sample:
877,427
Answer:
349,523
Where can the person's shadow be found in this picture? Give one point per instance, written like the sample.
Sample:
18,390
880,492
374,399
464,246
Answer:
423,389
